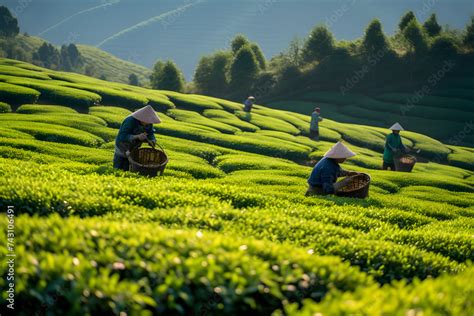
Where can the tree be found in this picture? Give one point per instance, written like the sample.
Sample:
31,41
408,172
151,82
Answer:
443,48
65,60
244,69
415,36
238,42
259,55
8,23
167,76
210,76
133,80
431,26
75,56
48,56
294,51
319,45
406,19
468,39
374,41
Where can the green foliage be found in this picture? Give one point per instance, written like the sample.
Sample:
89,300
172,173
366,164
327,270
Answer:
238,42
406,19
319,44
167,76
5,107
443,48
374,41
133,80
228,229
468,39
243,69
230,119
14,94
267,122
259,56
447,295
196,118
43,109
109,96
414,34
62,95
8,23
431,26
211,73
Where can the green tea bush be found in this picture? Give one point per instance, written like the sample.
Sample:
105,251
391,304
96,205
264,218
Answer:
428,100
223,274
43,109
286,116
114,116
21,72
15,94
266,122
62,95
196,118
52,133
110,96
5,107
230,119
191,101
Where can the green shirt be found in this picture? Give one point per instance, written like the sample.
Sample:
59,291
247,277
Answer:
392,142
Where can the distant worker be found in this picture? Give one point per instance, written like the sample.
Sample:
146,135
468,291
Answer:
393,147
323,178
134,130
314,125
248,104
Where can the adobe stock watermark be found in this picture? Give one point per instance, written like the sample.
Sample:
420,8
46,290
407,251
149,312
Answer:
426,8
337,14
10,276
20,7
427,88
359,74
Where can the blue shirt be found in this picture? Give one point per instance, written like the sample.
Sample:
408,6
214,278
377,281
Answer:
315,119
129,128
325,174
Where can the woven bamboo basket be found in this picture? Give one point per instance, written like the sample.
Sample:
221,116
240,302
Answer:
404,163
358,187
148,161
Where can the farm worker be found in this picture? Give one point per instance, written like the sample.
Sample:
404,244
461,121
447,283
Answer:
134,130
314,125
325,173
393,146
248,104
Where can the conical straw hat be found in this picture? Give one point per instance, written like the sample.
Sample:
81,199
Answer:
339,150
396,127
146,115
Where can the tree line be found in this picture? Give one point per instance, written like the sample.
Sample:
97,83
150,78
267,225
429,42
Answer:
321,62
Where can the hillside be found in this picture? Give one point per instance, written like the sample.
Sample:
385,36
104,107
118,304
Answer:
104,64
446,113
227,229
174,29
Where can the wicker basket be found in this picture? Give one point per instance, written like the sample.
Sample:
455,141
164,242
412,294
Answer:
404,163
358,187
148,161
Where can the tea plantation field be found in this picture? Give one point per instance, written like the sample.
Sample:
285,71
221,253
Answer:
227,229
446,114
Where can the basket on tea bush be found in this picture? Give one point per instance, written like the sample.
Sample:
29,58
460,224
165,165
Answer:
404,163
357,187
148,161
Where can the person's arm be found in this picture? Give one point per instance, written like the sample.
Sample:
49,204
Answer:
150,132
389,145
125,132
